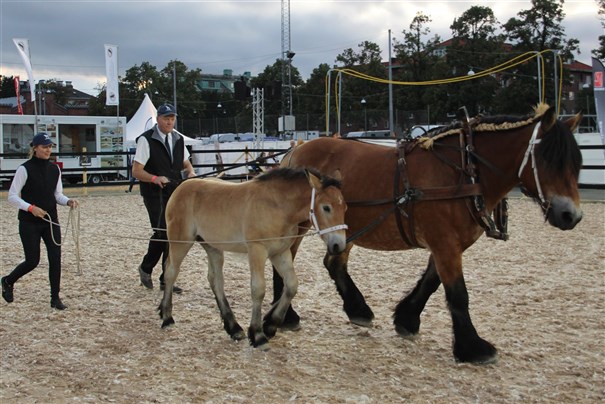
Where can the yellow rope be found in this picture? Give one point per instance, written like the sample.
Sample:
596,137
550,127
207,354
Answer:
515,61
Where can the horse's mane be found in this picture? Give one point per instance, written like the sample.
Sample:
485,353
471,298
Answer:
559,151
293,174
483,124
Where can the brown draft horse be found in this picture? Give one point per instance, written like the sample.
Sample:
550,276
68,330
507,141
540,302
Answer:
259,217
426,198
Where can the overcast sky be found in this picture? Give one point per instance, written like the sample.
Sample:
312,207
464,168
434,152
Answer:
67,38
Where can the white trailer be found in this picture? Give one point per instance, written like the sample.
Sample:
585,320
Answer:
71,134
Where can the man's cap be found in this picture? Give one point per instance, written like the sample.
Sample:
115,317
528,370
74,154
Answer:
41,139
166,109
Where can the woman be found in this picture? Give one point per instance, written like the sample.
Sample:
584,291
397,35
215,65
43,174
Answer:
36,190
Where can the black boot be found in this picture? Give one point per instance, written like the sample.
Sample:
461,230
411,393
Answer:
56,303
7,290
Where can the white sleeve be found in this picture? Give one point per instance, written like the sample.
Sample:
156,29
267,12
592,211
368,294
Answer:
59,197
14,193
142,154
185,153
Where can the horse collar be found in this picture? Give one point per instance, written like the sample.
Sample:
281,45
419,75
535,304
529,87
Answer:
314,219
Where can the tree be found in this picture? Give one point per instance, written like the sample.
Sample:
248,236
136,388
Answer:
7,86
599,53
537,29
145,78
367,60
417,62
270,80
310,98
475,47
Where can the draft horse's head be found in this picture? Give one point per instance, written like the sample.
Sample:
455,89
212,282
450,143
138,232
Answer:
328,209
549,172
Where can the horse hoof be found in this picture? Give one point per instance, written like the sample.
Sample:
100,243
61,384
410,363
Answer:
270,330
238,336
360,321
260,341
168,322
404,332
481,360
263,347
290,327
477,351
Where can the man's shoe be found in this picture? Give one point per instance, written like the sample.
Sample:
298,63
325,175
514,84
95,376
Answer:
57,304
175,289
145,279
7,290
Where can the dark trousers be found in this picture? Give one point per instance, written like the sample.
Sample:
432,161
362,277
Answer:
158,247
31,233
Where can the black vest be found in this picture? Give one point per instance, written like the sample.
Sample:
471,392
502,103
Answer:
160,164
39,189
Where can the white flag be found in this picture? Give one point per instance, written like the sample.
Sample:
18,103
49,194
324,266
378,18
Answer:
23,48
111,71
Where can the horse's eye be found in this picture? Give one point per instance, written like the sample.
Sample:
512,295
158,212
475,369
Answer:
327,209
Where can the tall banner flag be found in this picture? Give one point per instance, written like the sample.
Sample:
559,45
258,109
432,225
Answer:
17,81
598,77
111,71
23,48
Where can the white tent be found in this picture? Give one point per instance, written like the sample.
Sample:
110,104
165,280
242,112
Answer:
144,119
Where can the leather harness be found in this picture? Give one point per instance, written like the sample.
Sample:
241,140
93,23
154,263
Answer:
468,188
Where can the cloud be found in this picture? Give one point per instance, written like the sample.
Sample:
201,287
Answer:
67,37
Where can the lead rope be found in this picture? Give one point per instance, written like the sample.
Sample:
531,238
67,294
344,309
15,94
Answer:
74,219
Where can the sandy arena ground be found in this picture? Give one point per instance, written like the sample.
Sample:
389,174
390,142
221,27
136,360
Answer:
540,298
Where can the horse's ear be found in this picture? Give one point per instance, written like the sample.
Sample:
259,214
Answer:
337,175
314,181
574,122
549,119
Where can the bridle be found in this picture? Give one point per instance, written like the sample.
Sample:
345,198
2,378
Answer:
531,147
314,219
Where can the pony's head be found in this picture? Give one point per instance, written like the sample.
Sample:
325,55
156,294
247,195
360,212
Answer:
552,181
328,209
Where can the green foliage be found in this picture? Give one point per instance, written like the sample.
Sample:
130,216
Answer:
479,42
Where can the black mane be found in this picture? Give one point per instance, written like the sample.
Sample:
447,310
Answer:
293,174
558,149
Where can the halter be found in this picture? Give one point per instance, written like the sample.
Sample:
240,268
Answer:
533,141
314,219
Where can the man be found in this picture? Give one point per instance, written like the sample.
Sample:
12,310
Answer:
161,160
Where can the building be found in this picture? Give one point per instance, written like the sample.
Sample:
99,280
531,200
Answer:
221,83
580,78
76,101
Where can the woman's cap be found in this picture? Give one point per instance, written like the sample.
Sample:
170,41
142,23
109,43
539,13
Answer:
41,139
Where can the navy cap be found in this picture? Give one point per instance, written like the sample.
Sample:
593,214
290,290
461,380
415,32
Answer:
166,109
41,139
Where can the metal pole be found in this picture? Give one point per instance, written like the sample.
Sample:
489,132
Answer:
391,127
339,102
174,89
540,62
329,79
556,55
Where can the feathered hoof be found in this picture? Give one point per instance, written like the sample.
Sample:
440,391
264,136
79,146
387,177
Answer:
262,345
404,332
168,322
361,321
269,330
258,340
238,336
